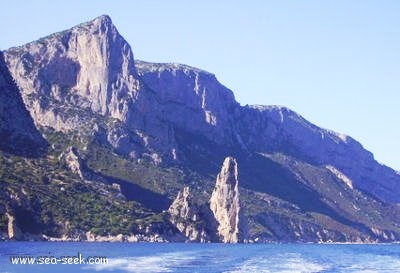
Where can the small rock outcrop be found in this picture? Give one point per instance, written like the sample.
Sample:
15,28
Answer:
225,204
14,233
74,162
188,217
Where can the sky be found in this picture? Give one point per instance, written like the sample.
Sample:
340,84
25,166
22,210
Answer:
335,62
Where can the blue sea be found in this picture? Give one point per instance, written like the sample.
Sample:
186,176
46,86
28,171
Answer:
207,258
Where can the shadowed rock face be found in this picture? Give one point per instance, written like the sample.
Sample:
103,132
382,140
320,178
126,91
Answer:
18,133
269,129
225,203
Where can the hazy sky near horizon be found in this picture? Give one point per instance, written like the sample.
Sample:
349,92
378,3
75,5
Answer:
335,62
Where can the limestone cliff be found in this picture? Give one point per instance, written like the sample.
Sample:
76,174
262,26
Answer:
225,204
154,129
198,104
83,79
192,99
271,129
90,65
86,79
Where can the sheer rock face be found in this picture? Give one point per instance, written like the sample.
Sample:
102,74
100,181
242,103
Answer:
269,129
84,78
187,217
225,203
196,102
90,66
70,79
194,99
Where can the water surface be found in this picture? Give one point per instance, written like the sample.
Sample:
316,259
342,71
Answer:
207,258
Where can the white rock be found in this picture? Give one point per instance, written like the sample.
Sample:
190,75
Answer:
225,203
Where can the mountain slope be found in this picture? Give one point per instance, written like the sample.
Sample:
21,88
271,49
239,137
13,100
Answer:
133,134
264,129
17,132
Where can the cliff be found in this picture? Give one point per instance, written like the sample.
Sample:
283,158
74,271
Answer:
143,131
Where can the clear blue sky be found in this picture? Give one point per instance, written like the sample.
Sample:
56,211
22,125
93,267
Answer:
336,62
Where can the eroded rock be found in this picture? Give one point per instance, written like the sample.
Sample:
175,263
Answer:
189,218
225,203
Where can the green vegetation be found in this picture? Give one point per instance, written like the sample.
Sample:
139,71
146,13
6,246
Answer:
3,223
46,197
161,180
58,202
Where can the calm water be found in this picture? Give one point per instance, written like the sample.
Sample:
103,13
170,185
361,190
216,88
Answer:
207,258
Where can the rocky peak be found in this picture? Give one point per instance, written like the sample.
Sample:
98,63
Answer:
98,26
182,205
190,219
74,162
88,66
229,174
103,21
84,77
225,203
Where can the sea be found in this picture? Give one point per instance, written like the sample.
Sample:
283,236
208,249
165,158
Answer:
191,257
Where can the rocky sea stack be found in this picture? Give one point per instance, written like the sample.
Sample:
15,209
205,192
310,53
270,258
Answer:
95,145
225,203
